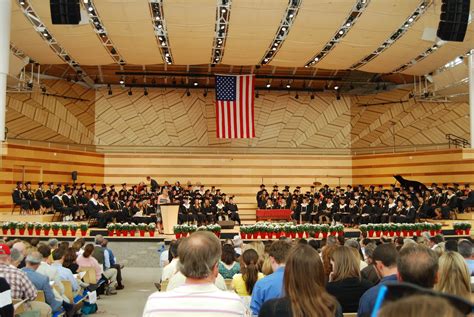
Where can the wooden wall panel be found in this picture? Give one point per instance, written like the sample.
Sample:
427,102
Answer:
45,164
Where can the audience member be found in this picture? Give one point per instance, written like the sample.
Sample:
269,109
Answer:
69,261
385,262
199,256
454,276
64,273
451,245
113,263
369,272
418,265
52,273
352,243
304,288
6,304
86,260
228,266
17,258
244,282
345,282
465,249
271,286
103,257
419,306
237,243
171,269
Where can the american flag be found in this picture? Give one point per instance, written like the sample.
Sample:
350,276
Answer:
235,106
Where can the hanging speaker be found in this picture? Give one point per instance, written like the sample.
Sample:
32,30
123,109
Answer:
453,20
65,11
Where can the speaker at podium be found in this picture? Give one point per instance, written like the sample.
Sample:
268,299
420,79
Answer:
169,216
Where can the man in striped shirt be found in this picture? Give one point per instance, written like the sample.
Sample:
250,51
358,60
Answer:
198,261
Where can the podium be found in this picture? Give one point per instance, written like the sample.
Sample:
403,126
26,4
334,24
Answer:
169,215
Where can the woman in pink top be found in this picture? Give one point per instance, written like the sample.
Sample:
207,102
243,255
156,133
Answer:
87,260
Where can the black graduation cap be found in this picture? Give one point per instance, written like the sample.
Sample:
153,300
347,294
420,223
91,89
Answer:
40,183
275,186
112,186
287,187
19,183
124,184
326,186
82,184
28,183
104,186
93,185
445,184
312,186
455,184
262,186
50,184
451,189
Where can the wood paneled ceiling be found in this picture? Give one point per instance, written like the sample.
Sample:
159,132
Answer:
250,29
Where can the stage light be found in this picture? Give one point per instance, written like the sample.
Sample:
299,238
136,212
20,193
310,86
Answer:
283,29
223,10
288,86
348,24
274,49
22,3
336,87
91,9
291,15
222,27
410,20
157,18
269,85
341,32
195,83
316,59
122,81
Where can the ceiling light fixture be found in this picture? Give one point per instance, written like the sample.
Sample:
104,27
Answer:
221,26
160,30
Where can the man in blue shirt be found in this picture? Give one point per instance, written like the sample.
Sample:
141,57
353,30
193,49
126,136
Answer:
385,260
64,273
271,286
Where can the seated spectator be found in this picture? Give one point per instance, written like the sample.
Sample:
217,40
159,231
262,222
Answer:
419,306
6,304
305,294
17,258
465,249
384,260
41,283
357,252
171,269
111,262
238,244
64,273
244,282
52,273
271,286
418,265
369,272
454,276
21,287
86,260
103,257
199,256
451,245
228,267
345,282
69,261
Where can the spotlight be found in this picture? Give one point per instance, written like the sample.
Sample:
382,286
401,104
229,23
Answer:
348,24
410,20
341,32
288,86
195,83
130,92
291,15
283,29
316,59
86,1
269,85
145,92
157,18
336,87
91,9
223,10
122,81
22,3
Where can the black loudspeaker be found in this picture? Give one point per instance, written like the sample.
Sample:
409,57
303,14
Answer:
453,20
226,224
65,11
74,175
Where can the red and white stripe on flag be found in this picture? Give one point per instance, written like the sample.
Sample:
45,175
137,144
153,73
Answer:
235,106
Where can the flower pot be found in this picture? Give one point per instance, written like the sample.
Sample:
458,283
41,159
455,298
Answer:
255,235
378,233
405,233
307,234
38,232
371,233
4,231
83,232
73,232
30,231
22,231
178,236
125,233
333,233
300,235
64,232
142,233
46,232
152,233
467,232
410,232
277,235
12,230
263,235
316,234
325,235
458,232
391,233
293,235
110,233
385,233
132,233
243,235
217,234
340,233
55,232
432,232
418,233
398,233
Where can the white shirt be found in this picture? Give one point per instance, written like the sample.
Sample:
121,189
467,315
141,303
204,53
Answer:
202,300
179,279
53,275
164,258
170,270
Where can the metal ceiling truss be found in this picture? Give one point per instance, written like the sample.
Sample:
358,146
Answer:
283,30
354,15
419,58
422,7
222,27
41,29
160,30
101,32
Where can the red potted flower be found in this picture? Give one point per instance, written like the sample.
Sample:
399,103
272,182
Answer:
340,230
324,230
370,230
363,229
12,226
73,227
38,227
467,228
411,228
438,227
177,231
5,227
83,227
133,229
21,228
64,229
254,232
300,229
277,231
30,226
378,230
55,228
392,229
243,232
151,229
142,229
110,229
46,228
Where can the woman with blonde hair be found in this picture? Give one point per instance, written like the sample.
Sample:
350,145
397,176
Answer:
454,277
345,282
303,285
244,282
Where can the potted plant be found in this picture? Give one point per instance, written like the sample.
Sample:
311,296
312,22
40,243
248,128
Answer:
300,229
38,227
363,230
110,229
55,228
253,230
418,228
133,229
177,229
142,229
5,227
315,231
293,231
151,229
12,225
46,228
467,228
411,227
370,230
30,226
392,229
21,227
278,230
333,230
73,227
118,229
378,230
83,228
216,229
243,232
432,228
64,228
340,230
438,227
325,230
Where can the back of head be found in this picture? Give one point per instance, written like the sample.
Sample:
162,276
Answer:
98,239
69,257
58,254
279,251
465,248
418,265
419,306
173,250
249,268
53,243
387,254
331,240
304,283
451,245
454,275
34,258
45,250
228,254
88,249
16,255
346,264
198,254
369,250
